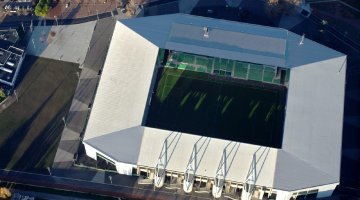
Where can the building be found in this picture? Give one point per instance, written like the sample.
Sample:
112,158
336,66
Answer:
10,64
14,7
306,161
11,57
8,37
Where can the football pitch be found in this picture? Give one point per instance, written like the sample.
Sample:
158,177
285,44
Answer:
219,107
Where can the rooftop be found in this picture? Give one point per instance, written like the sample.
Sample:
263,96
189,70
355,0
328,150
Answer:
282,49
313,115
10,63
8,37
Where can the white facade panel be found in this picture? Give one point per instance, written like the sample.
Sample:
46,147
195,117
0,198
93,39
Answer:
90,151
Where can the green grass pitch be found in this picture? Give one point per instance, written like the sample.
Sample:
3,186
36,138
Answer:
213,106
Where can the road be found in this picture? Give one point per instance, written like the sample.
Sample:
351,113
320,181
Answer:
35,20
120,186
336,33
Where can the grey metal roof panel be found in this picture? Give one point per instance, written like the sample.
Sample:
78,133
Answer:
186,31
292,173
309,52
231,40
228,39
129,140
314,114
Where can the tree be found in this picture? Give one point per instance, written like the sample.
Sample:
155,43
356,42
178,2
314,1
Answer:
4,193
42,8
132,6
2,93
275,7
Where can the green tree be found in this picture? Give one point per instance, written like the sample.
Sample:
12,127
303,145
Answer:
2,95
42,8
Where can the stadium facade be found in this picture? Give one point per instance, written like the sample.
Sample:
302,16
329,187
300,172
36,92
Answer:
307,163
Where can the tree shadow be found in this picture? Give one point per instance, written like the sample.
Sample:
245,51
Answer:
73,12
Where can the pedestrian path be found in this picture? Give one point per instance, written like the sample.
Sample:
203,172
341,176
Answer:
77,117
67,43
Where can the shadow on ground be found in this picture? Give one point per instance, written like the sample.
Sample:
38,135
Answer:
31,127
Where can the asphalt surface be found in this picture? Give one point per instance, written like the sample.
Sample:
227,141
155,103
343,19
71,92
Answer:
78,180
338,34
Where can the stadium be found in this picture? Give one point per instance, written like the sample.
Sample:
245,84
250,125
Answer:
220,107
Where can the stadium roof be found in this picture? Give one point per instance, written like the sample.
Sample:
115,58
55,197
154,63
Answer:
273,46
311,147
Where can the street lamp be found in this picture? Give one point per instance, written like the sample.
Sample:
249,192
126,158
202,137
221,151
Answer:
16,96
57,24
48,168
22,24
97,14
31,25
64,121
78,75
32,40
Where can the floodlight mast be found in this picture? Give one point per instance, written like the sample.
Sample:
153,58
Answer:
220,176
250,181
190,171
194,162
224,167
164,157
161,166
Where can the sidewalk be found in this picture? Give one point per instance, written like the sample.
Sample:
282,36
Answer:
81,8
116,186
77,117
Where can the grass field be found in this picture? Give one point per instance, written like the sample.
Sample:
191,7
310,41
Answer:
219,107
225,67
30,129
